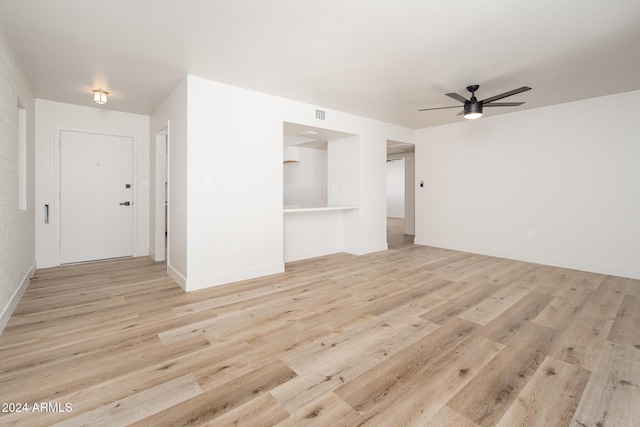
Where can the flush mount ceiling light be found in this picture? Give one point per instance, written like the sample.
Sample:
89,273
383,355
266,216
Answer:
100,96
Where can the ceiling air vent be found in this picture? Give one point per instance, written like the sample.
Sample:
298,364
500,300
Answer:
320,115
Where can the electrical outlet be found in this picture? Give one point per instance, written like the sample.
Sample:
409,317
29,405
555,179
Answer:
236,245
529,234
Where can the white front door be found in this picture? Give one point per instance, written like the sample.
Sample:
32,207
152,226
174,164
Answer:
96,212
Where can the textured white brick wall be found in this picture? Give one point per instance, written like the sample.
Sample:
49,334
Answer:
17,227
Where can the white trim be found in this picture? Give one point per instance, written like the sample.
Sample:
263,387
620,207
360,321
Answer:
15,298
317,209
364,250
312,253
575,264
234,276
177,277
160,164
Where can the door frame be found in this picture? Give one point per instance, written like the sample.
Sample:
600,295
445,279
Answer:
409,186
55,212
159,243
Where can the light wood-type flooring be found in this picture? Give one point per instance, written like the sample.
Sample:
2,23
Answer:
414,336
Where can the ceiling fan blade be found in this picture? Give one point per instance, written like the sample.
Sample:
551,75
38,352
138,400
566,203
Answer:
504,95
503,104
457,97
438,108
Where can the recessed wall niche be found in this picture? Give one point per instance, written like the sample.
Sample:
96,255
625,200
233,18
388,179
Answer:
321,182
306,164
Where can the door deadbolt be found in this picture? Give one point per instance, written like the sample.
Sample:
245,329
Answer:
125,204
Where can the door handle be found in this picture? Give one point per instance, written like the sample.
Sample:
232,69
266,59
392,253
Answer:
125,204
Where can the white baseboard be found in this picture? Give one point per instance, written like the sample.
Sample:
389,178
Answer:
363,250
574,264
158,258
232,276
312,253
7,311
177,277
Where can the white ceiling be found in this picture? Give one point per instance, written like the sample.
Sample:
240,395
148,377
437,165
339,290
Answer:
374,58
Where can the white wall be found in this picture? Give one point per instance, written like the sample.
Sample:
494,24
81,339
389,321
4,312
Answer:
313,176
291,183
343,178
172,114
234,224
305,181
53,116
568,174
344,189
17,236
310,234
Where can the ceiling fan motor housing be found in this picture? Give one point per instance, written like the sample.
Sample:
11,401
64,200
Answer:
472,108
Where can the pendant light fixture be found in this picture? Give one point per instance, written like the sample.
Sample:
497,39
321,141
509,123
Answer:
100,96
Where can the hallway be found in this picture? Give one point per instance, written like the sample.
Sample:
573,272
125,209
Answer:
395,233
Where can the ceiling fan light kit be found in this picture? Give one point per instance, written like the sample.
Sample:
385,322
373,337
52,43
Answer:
472,108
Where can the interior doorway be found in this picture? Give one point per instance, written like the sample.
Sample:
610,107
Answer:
159,247
400,193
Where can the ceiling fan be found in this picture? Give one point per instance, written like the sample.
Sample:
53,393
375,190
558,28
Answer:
473,108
